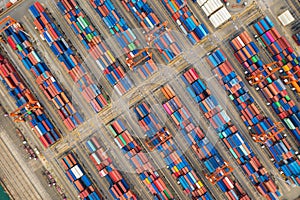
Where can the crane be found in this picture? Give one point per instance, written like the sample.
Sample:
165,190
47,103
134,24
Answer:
159,30
268,134
219,173
163,135
138,58
20,113
259,77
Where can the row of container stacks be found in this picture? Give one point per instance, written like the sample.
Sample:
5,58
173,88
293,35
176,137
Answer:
159,35
259,124
272,88
185,19
232,138
281,51
218,169
138,59
69,61
215,10
160,138
22,96
79,178
18,41
296,37
118,187
97,48
139,161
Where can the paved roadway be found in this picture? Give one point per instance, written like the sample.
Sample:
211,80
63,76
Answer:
21,175
179,65
49,162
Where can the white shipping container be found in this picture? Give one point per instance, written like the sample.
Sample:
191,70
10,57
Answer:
286,18
38,130
77,171
220,17
229,182
119,145
96,158
201,2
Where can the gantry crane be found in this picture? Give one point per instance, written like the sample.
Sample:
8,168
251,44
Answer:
20,113
259,77
138,58
268,134
219,173
158,30
5,21
290,79
162,135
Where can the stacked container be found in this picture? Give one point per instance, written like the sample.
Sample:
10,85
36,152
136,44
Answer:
79,178
159,34
133,152
228,132
118,187
252,117
215,10
160,138
69,61
97,48
272,88
281,51
218,169
18,40
38,121
138,59
296,37
186,20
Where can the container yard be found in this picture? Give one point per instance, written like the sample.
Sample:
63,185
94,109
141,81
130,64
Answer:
263,77
79,178
150,99
69,61
119,188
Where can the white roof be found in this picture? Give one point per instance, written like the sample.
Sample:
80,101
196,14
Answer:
286,18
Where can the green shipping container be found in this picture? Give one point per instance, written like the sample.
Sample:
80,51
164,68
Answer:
122,139
233,153
167,194
231,97
277,104
19,47
254,59
287,98
112,130
131,46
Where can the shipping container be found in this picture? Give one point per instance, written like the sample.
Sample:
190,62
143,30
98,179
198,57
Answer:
95,45
81,181
17,89
250,112
159,35
224,127
105,167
